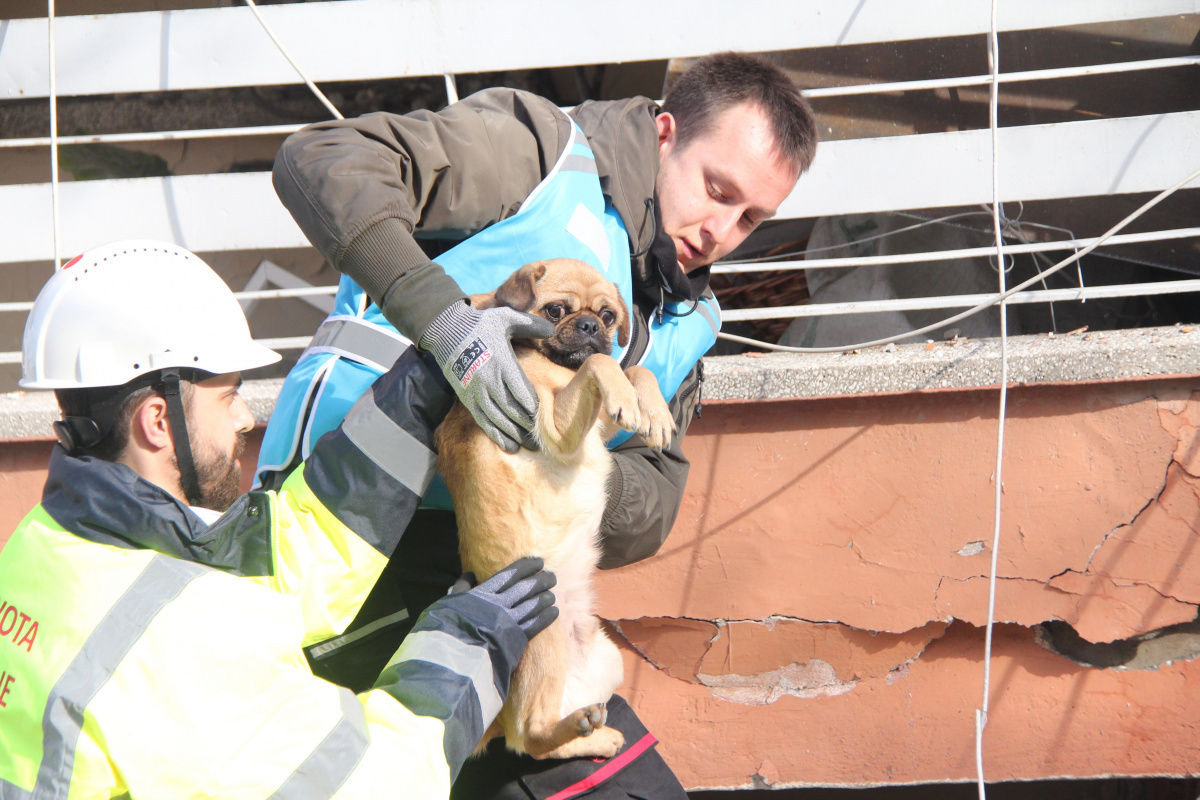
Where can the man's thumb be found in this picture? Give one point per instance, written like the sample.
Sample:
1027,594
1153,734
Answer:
528,326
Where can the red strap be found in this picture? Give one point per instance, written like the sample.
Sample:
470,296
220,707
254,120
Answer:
616,764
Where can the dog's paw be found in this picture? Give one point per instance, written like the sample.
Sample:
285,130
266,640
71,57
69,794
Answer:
588,719
657,423
606,743
602,742
621,405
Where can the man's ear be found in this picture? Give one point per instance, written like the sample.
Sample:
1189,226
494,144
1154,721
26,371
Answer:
149,426
667,130
519,292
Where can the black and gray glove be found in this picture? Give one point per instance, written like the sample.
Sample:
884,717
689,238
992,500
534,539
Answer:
522,590
474,350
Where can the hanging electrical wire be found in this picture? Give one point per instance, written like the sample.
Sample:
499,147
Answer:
991,301
53,136
876,237
320,95
998,474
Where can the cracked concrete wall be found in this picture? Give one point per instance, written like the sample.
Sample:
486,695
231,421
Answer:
815,616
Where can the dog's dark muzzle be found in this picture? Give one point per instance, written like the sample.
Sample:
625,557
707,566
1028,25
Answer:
577,339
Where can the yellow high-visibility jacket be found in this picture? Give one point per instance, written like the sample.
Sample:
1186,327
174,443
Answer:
144,653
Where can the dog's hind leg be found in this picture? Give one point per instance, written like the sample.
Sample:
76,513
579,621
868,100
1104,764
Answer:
595,672
494,730
596,668
532,718
531,713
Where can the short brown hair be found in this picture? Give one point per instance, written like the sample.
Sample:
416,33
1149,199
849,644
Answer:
722,80
84,402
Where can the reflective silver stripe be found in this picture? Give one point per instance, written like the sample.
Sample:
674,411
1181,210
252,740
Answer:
330,764
160,582
702,307
469,661
358,340
10,791
316,651
574,163
393,449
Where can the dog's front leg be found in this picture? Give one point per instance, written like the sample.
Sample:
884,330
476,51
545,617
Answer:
599,383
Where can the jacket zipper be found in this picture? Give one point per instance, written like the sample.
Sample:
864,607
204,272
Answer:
698,388
629,359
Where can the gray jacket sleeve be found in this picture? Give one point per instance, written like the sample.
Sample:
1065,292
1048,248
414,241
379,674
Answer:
645,487
364,190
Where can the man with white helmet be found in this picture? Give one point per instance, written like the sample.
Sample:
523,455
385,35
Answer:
159,646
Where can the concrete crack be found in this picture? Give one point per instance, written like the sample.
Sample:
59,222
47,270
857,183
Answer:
1157,497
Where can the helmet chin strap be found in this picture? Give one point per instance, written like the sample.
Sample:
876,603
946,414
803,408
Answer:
179,435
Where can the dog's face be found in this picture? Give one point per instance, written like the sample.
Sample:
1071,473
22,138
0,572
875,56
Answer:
586,309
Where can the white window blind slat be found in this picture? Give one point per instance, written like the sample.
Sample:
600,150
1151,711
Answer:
226,47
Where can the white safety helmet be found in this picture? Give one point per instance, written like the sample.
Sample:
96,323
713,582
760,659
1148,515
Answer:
129,308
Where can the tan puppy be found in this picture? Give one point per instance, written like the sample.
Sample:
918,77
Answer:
548,502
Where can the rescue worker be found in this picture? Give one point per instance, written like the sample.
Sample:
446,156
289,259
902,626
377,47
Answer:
150,645
420,210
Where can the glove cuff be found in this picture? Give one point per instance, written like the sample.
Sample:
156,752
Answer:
417,297
448,330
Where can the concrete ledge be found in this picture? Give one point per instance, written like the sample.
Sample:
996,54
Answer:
30,415
959,364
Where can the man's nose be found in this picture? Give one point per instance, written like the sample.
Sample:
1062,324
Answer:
243,420
720,224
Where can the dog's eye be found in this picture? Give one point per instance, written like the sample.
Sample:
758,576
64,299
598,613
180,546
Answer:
607,317
554,311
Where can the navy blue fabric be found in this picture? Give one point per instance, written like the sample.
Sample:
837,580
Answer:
430,690
108,503
367,500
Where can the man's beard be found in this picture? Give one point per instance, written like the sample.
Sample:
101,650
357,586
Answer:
219,475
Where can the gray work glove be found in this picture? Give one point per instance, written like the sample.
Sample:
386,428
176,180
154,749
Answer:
474,350
522,590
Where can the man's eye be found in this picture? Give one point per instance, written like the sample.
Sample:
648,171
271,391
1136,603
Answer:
715,192
608,317
554,311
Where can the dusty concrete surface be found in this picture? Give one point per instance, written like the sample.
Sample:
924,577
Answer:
960,363
814,617
955,364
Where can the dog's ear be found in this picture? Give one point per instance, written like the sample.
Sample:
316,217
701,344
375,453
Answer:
622,318
519,292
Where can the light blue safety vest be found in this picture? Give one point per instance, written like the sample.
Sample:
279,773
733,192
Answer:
565,216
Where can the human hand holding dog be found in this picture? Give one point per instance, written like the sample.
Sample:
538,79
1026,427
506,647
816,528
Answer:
522,590
474,350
